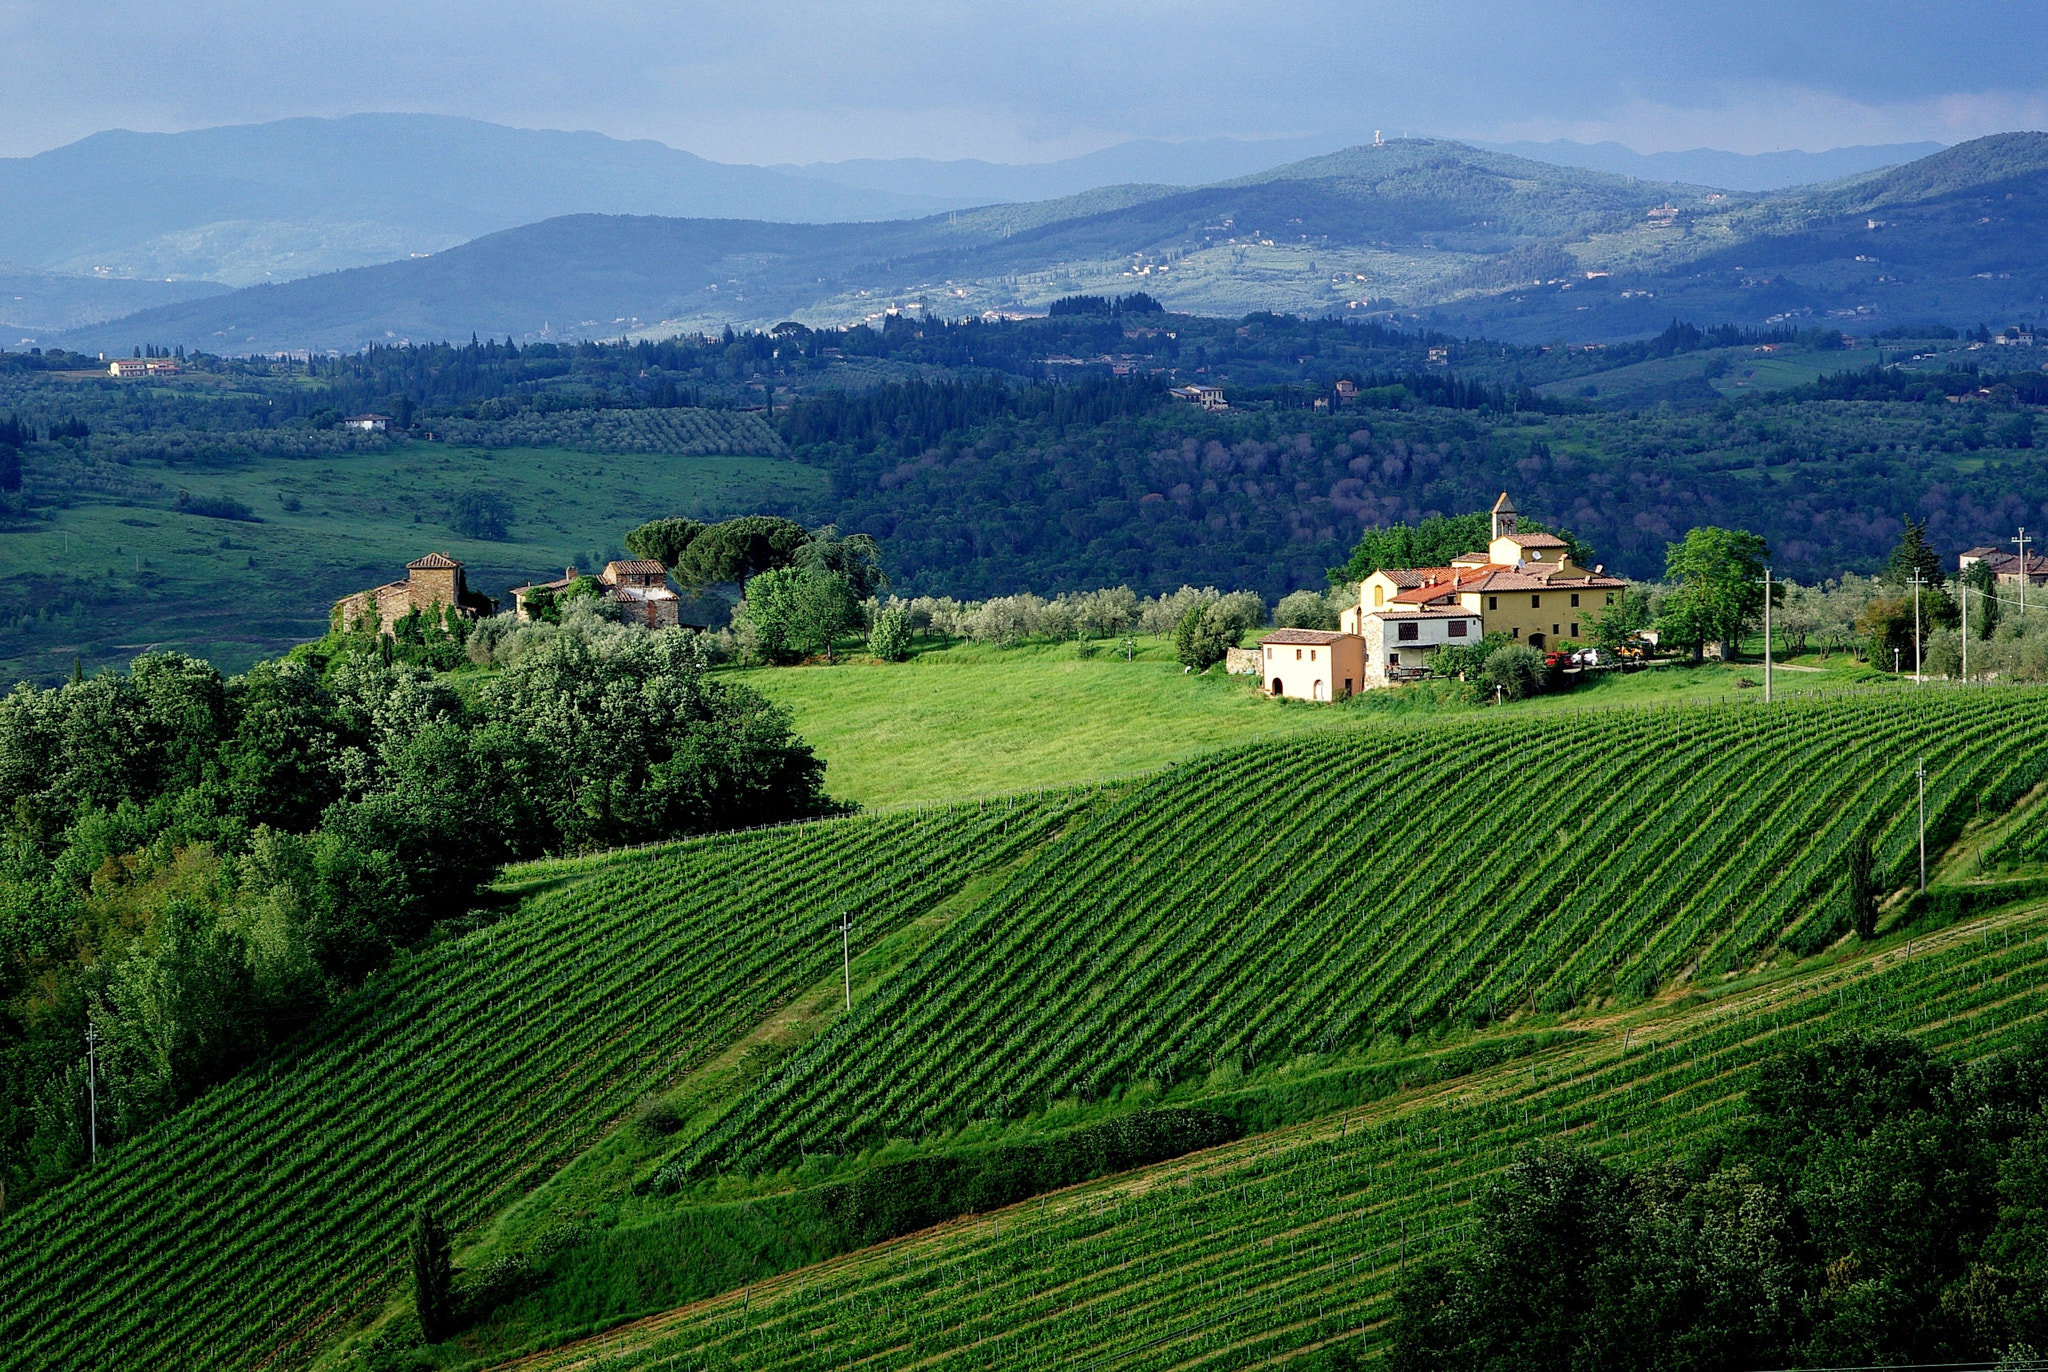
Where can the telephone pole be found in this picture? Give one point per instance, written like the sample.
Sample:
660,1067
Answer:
1917,582
2024,578
92,1089
1922,774
846,953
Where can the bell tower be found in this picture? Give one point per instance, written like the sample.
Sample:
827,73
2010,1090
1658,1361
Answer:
1503,516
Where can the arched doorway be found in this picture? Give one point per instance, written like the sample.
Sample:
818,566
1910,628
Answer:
1535,640
1278,689
1317,691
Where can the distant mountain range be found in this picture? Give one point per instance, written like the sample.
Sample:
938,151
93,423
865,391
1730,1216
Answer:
1422,231
1728,171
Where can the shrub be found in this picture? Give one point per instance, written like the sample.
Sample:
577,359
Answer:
214,507
1516,670
890,638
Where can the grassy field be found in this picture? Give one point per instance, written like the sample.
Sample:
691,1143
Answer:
974,720
131,572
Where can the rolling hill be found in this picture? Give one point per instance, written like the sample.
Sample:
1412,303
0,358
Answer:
1273,936
1417,230
270,202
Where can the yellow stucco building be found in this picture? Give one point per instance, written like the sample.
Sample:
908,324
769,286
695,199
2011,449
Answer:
1523,585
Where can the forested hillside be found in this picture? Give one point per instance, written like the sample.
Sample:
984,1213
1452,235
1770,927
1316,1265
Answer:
1234,967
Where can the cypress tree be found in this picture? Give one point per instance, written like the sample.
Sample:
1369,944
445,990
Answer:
1863,892
433,1276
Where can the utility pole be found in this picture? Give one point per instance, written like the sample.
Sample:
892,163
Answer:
1923,823
846,953
92,1088
2022,542
1917,582
1964,587
1767,635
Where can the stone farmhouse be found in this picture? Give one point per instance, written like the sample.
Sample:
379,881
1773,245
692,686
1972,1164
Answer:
433,582
1524,585
638,586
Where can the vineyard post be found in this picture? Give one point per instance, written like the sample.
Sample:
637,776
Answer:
1923,825
846,954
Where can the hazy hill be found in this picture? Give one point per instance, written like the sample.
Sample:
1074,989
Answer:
259,202
34,304
1439,232
1733,171
971,181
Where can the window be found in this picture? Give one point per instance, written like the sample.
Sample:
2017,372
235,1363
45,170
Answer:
1393,659
1515,632
1575,600
1347,685
1379,596
1311,655
1457,629
1297,654
1410,632
1269,654
1575,628
1493,602
1553,631
1535,602
1610,597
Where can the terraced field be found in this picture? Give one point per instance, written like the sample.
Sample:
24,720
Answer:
1291,1242
1265,919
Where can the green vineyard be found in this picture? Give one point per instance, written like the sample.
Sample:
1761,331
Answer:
1292,1242
265,1216
1264,918
1314,897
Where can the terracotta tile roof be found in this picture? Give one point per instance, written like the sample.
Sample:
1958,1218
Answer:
1423,612
433,562
1412,576
638,566
1535,540
1315,636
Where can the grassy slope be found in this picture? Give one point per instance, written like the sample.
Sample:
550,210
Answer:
235,592
975,720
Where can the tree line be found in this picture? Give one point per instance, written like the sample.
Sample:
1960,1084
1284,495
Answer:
1876,1205
195,866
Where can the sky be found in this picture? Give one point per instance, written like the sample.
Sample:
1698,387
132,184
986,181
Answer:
798,82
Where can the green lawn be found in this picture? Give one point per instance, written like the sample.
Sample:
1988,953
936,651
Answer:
137,574
974,720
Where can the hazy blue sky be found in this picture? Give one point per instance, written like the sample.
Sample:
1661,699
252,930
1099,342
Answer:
766,82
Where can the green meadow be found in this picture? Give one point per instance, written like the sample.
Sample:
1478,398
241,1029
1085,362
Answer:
974,720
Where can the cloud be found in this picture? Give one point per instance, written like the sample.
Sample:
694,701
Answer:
799,81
